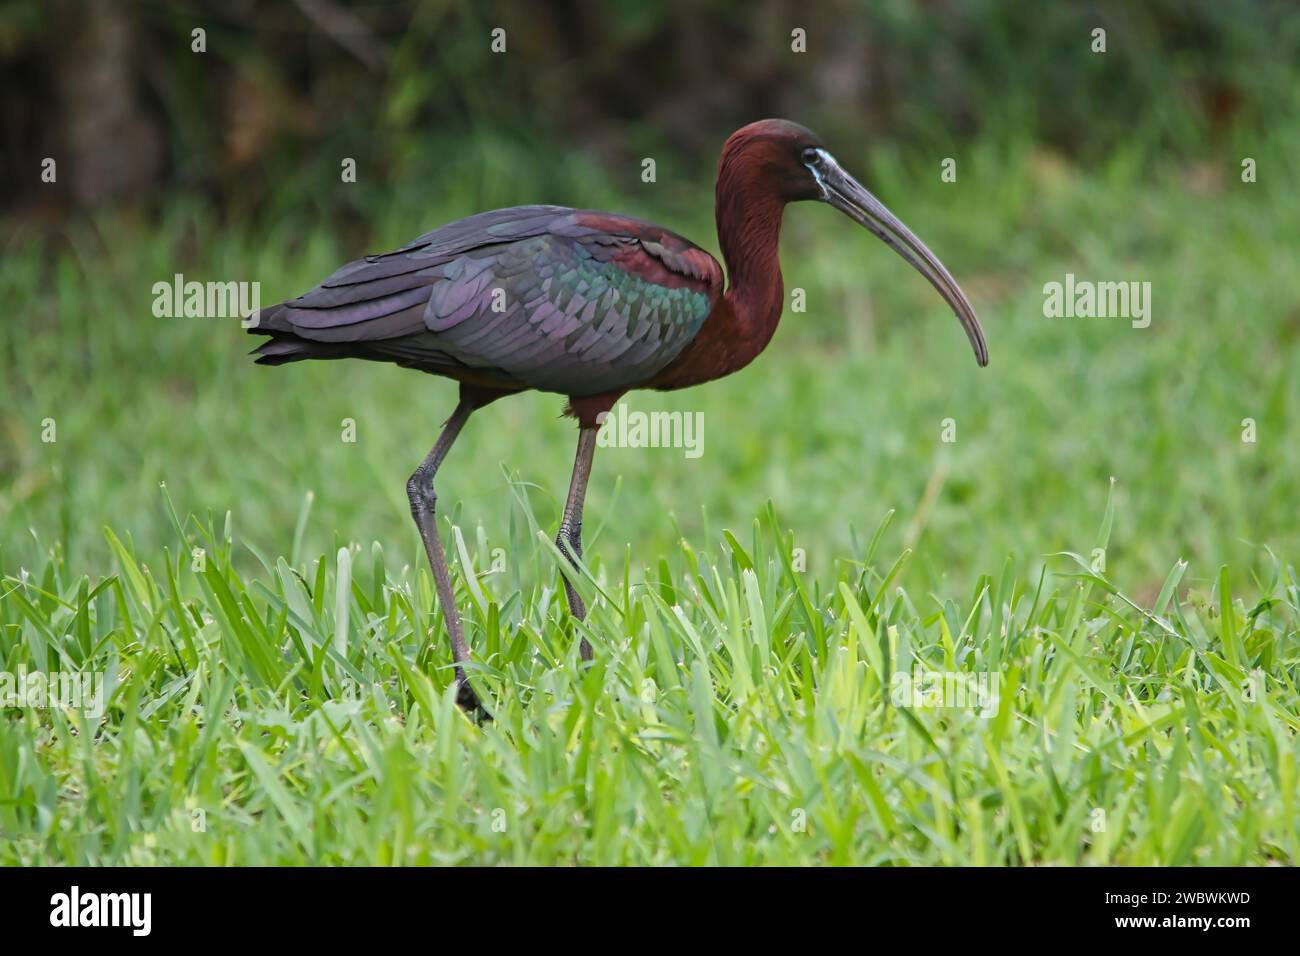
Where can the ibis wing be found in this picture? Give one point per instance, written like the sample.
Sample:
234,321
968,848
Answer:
536,296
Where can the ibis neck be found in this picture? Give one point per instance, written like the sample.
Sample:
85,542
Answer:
749,232
742,323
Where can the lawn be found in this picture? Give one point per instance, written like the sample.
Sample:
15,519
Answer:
1098,532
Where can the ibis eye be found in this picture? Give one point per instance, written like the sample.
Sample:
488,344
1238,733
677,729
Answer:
811,157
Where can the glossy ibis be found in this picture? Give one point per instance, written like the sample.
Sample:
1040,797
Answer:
585,304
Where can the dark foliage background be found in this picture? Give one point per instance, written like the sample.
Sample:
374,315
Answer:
112,86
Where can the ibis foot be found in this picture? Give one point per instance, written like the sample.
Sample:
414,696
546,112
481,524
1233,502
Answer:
468,701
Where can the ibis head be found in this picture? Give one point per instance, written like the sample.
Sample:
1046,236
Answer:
790,162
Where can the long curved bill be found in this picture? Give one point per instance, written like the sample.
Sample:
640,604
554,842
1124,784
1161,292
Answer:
848,195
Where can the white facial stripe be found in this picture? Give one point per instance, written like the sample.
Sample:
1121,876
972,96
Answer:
827,160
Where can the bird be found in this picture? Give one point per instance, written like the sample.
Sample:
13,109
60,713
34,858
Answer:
585,304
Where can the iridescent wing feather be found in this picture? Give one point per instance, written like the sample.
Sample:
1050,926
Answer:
543,297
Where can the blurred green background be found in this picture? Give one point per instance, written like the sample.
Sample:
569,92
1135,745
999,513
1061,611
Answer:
225,165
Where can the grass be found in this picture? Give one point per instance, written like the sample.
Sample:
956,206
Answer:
738,712
294,709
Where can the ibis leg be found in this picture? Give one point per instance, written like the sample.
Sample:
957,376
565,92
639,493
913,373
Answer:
419,490
569,540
